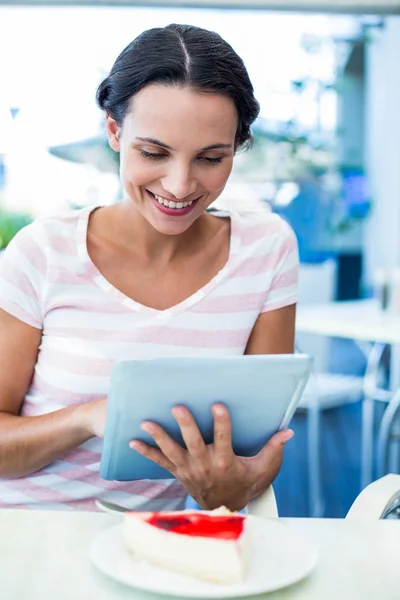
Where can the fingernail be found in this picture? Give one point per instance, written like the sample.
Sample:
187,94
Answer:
287,436
219,411
148,427
178,411
134,445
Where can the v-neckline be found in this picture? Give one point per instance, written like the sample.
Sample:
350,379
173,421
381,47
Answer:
98,278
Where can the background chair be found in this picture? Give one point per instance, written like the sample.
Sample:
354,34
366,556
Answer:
325,390
379,500
389,437
265,505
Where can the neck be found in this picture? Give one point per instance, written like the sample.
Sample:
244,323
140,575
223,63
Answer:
135,234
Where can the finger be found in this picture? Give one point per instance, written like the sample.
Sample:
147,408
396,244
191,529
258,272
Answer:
269,460
273,449
153,454
171,449
190,432
222,433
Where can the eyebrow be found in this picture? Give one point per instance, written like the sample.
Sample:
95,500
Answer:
163,145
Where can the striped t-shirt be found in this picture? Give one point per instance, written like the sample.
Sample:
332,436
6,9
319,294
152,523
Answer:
48,280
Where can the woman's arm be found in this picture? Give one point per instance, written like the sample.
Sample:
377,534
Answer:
273,332
29,443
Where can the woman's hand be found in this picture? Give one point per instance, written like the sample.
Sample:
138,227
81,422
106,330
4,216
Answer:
93,417
212,474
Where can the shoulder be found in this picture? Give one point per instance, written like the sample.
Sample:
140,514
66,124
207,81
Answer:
47,241
51,233
264,228
62,225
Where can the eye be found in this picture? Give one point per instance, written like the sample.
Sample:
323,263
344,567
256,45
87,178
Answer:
211,161
152,155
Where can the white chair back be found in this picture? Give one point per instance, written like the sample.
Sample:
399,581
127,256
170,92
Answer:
317,284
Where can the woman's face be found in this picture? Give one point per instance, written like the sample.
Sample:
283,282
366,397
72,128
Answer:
176,151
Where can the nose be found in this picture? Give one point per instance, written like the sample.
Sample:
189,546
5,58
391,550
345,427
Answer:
179,181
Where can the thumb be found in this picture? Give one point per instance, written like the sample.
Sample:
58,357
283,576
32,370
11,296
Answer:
274,446
269,459
280,438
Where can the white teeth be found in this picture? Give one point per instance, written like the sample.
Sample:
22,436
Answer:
171,204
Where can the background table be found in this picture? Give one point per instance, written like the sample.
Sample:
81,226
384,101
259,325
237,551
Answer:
362,321
45,556
359,320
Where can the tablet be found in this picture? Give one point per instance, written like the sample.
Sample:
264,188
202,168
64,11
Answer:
261,393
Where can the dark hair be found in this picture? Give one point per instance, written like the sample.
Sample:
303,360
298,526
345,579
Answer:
180,55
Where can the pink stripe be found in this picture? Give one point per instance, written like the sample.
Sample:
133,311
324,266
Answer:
35,410
147,489
288,247
282,303
230,304
64,276
63,397
261,230
88,504
14,506
285,279
73,303
168,336
82,457
30,249
78,365
63,245
256,265
11,274
20,313
36,492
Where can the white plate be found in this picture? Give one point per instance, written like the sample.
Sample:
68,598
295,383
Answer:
280,557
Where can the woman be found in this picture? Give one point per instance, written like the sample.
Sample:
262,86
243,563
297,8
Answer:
154,275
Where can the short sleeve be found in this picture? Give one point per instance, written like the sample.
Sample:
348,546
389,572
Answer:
283,290
21,275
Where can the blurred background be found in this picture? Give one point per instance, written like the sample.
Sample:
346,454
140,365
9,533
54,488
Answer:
326,157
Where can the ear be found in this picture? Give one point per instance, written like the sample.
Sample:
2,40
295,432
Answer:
113,133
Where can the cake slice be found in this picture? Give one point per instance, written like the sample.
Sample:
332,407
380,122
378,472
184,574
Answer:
212,545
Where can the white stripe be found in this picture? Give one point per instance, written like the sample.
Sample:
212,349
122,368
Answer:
288,293
94,445
50,506
204,321
65,318
42,403
68,382
289,262
10,496
19,299
84,348
248,284
140,502
142,350
75,489
20,260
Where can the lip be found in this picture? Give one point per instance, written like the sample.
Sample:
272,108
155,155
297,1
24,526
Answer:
173,212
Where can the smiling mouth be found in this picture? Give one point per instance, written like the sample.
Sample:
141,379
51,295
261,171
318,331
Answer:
170,203
172,208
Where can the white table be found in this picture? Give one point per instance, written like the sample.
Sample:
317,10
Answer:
44,556
361,321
